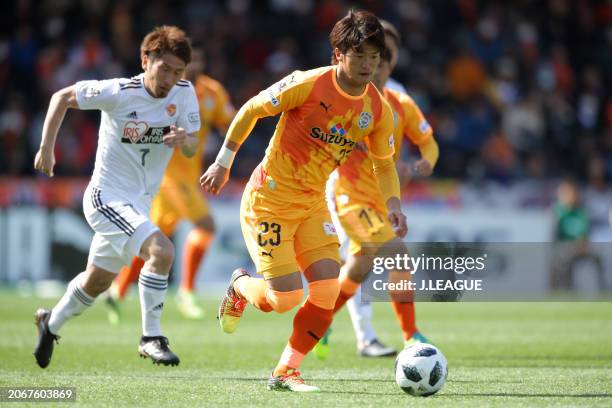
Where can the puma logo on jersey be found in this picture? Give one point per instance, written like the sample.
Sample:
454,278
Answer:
269,254
324,106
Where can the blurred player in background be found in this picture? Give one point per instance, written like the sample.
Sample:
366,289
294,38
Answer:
285,221
144,120
359,214
180,196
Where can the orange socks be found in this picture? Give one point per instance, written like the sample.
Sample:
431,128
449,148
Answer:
348,288
127,276
404,312
309,324
403,306
196,244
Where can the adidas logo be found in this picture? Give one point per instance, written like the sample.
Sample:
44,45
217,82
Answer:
159,307
133,115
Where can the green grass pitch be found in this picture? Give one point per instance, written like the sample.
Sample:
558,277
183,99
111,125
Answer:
500,354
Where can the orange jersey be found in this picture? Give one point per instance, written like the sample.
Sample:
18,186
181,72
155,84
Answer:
319,127
215,110
356,182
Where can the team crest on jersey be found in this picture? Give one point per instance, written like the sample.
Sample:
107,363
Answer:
337,128
91,92
134,130
171,109
364,120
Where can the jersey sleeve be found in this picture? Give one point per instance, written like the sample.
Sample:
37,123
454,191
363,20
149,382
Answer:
416,127
93,94
380,141
288,93
189,118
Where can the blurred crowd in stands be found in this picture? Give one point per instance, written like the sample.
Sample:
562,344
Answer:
515,90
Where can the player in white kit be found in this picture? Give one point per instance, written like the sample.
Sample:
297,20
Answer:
143,120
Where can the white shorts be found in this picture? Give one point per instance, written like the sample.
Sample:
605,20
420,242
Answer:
121,226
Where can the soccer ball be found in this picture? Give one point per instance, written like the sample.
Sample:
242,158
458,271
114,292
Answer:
421,370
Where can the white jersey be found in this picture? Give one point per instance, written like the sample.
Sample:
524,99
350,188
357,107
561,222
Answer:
395,86
131,157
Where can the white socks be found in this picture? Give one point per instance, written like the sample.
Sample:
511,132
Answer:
74,301
152,289
361,316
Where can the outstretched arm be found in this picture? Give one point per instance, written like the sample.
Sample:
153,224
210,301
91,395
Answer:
289,93
217,174
60,102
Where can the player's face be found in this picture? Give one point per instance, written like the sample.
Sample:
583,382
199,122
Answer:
360,64
382,74
392,47
162,73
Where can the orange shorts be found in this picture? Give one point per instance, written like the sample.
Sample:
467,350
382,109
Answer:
177,200
364,224
286,237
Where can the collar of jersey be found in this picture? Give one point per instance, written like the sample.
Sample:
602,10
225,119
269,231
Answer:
342,92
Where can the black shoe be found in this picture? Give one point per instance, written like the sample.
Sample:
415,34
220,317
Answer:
156,348
44,348
376,349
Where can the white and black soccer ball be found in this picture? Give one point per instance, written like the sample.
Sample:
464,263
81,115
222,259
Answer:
421,370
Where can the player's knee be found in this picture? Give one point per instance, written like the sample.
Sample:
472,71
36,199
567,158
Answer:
282,302
323,293
95,282
199,237
207,224
162,255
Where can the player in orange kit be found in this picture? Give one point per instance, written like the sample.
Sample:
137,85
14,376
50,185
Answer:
180,197
288,231
356,201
